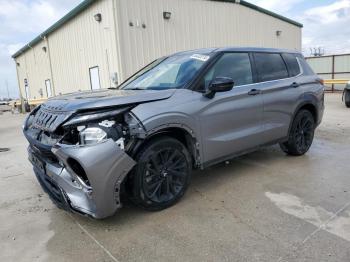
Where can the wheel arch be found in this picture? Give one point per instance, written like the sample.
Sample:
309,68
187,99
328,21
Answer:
177,131
307,105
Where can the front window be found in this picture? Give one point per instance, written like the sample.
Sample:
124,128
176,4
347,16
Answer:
232,65
169,73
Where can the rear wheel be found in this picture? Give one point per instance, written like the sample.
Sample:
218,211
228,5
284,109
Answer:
347,98
162,174
301,134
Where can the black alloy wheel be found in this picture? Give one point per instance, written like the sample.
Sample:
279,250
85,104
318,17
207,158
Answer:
347,97
301,134
162,174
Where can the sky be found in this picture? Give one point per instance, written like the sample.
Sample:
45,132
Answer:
326,25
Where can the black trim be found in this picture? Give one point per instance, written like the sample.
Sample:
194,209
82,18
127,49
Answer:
254,68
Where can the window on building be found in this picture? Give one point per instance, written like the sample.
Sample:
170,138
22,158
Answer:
48,88
94,78
234,65
270,66
292,64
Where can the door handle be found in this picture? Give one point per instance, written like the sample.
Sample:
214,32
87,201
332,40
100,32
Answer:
254,92
294,85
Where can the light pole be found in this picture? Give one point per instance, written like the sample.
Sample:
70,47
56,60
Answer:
7,88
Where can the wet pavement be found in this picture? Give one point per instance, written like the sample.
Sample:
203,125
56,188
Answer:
264,206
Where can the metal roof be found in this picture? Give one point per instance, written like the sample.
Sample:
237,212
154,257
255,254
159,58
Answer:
86,3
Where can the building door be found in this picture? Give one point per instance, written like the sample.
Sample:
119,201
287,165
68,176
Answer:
48,88
94,78
26,88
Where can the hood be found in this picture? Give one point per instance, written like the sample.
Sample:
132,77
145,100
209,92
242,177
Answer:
105,98
57,110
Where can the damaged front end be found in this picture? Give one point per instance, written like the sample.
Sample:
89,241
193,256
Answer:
82,158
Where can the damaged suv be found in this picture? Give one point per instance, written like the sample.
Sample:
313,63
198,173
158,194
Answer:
182,112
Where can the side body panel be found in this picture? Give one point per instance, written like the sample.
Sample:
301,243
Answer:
280,100
230,123
227,124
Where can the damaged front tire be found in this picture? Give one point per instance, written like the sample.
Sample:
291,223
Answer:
162,174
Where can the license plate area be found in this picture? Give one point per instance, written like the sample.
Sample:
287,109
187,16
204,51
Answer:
37,162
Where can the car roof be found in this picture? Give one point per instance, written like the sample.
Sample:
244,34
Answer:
237,49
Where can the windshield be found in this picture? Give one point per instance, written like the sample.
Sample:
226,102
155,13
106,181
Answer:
169,73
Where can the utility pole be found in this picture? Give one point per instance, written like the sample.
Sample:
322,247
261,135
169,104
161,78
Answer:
7,88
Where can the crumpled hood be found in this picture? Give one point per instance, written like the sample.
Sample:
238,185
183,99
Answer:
105,98
57,110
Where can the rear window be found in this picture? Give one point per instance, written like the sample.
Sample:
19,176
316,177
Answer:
292,64
270,66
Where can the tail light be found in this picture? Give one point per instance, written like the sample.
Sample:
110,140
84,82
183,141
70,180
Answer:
320,80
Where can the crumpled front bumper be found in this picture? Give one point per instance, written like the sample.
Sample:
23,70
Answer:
105,165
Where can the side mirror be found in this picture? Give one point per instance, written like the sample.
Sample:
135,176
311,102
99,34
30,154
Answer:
219,84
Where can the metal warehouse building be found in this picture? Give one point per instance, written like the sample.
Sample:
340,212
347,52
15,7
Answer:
102,42
332,67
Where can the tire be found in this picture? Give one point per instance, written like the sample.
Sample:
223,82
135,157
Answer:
301,134
162,174
347,98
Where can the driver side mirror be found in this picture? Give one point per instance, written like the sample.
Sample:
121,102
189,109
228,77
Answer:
219,84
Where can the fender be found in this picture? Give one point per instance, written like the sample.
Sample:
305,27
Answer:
170,122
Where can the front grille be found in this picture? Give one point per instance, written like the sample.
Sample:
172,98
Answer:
48,118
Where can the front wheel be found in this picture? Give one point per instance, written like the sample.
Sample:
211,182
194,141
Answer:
162,174
301,134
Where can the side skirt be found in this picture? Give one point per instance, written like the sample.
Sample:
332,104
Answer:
244,152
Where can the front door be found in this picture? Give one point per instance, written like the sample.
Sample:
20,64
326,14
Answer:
231,122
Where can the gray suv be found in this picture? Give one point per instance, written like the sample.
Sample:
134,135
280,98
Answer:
186,111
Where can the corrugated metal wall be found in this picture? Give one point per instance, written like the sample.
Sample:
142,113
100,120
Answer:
83,43
34,67
78,45
331,67
115,46
194,24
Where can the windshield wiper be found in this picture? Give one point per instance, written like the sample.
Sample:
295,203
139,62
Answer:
134,88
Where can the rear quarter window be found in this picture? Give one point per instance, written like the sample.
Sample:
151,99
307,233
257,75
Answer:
292,64
270,66
307,70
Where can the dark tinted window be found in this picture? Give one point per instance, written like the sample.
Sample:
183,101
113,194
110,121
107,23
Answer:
234,65
270,66
292,64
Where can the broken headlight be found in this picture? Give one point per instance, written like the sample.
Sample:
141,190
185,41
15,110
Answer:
92,135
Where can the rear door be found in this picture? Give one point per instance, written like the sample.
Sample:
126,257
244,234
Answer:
231,121
277,74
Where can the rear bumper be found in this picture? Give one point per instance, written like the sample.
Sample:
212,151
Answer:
105,165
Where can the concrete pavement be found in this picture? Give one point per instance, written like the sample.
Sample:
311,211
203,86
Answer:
264,206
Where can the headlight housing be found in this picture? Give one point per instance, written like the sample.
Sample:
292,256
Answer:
92,135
